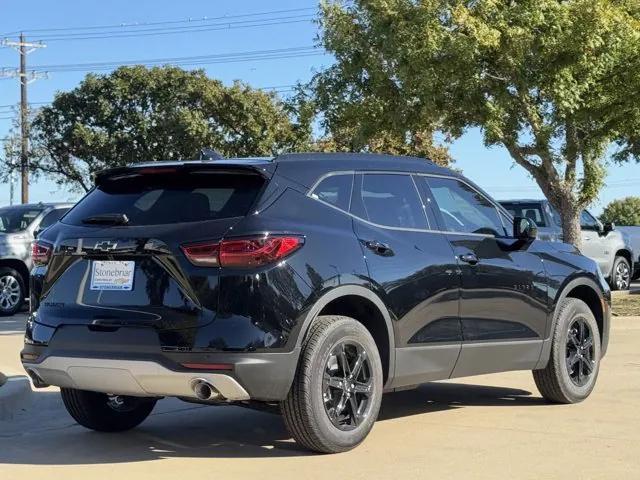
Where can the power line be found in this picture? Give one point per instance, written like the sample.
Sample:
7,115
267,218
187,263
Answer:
275,54
178,30
14,105
170,22
54,66
273,88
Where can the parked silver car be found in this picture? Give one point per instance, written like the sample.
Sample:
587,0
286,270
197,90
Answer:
633,233
19,226
610,248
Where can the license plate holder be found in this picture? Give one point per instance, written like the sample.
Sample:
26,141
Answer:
112,275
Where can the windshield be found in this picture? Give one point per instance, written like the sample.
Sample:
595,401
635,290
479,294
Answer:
17,219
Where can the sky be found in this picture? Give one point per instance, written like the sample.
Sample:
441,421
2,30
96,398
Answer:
491,168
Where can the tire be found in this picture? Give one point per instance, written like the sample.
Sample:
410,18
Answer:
559,382
621,274
312,410
12,291
97,411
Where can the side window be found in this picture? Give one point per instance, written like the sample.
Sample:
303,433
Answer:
52,217
390,200
587,221
335,190
463,209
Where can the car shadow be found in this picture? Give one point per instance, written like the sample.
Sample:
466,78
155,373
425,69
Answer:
46,435
434,397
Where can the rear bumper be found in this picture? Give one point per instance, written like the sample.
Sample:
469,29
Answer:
129,377
129,361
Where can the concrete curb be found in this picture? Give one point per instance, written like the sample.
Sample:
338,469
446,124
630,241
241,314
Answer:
15,394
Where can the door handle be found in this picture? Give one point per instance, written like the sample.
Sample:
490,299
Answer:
379,248
469,258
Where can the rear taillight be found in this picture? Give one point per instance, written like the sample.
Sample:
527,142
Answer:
202,254
40,252
242,252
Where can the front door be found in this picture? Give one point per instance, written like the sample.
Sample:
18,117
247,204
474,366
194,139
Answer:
503,302
594,245
414,272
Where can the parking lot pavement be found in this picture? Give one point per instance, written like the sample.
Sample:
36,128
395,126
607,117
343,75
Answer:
11,330
494,426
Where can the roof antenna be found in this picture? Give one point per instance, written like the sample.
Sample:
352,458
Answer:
210,154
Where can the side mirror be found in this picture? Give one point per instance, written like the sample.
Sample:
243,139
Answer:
37,232
608,227
524,228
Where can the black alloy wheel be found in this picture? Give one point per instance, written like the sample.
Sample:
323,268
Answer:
347,385
574,360
580,352
337,390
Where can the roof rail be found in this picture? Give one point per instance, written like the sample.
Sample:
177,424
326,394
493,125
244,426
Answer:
210,154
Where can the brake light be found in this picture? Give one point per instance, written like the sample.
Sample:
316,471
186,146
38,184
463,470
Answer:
156,170
40,252
242,252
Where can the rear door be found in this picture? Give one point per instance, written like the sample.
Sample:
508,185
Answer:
118,254
503,303
414,272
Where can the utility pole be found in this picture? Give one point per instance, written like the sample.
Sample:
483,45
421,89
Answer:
26,78
12,180
24,128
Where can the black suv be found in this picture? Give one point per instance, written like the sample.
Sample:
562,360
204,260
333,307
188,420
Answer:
312,282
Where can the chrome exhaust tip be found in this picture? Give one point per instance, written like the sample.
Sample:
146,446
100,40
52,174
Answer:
38,382
203,390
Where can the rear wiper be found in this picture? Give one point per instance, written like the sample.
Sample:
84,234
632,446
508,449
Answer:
107,219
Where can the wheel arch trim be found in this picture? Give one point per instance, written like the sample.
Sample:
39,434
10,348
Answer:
364,293
563,292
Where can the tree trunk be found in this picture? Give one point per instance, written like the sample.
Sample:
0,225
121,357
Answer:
571,231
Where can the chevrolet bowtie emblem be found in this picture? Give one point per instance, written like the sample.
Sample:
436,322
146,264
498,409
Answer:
106,246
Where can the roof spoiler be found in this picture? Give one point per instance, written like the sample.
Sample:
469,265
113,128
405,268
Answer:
210,154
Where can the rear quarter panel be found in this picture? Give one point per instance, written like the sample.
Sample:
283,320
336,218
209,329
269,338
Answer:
280,297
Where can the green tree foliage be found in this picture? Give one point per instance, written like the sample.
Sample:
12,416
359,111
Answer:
137,114
554,82
625,211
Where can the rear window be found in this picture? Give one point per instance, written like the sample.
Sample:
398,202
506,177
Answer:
153,199
335,190
532,211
